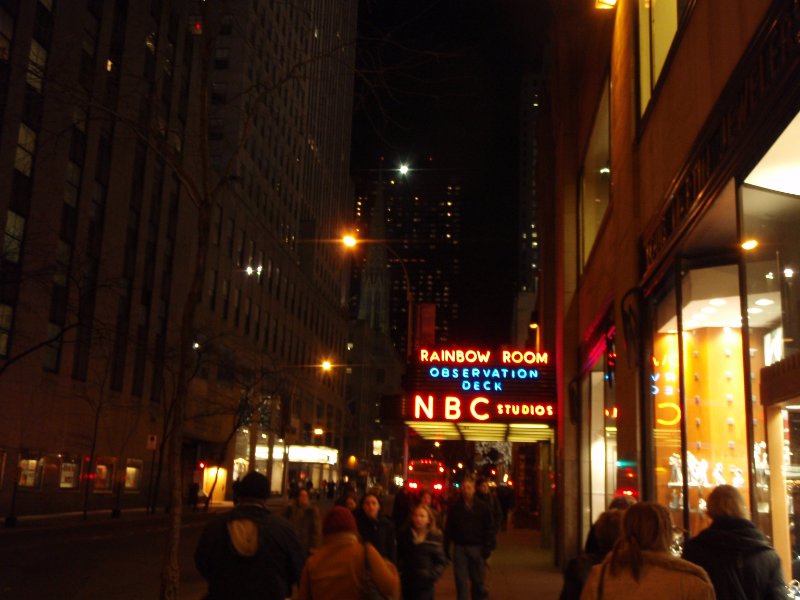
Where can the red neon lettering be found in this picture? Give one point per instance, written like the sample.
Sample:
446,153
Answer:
452,408
475,413
420,406
423,356
529,357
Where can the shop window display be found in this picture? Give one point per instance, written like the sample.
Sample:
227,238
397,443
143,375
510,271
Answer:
104,474
133,475
69,473
770,216
31,467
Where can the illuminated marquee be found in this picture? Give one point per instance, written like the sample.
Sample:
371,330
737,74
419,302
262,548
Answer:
482,386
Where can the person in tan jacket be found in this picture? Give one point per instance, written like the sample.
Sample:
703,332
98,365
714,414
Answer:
337,569
641,567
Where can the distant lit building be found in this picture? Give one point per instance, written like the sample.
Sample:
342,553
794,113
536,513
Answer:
423,231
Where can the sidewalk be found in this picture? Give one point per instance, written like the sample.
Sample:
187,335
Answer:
519,569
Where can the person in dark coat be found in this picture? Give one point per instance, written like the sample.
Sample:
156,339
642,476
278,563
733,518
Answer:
305,520
622,503
607,530
421,555
401,508
734,553
484,492
470,528
248,553
375,528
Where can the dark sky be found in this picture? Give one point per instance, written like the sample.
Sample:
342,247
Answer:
440,78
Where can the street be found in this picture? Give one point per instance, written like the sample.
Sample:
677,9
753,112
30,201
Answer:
120,560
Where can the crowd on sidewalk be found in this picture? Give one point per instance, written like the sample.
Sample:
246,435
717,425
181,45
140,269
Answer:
355,551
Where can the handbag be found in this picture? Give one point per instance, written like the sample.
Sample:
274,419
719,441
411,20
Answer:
371,591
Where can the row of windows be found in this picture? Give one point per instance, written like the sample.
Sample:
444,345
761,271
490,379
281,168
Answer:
68,472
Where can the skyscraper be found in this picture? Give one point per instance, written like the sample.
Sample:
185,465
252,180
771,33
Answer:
106,145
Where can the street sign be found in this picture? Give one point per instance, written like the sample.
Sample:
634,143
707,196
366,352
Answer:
152,441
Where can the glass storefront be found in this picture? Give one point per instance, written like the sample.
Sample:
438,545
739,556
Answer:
770,219
599,435
720,328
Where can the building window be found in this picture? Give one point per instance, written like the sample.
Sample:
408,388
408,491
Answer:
12,241
212,289
31,466
221,58
52,351
133,475
595,190
69,475
658,24
37,59
6,316
6,34
104,474
26,146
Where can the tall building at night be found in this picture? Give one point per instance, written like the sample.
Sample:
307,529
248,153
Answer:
529,263
422,229
107,140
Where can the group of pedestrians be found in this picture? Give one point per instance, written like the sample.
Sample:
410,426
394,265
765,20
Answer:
354,552
628,556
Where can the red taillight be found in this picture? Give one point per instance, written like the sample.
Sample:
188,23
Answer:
413,485
437,486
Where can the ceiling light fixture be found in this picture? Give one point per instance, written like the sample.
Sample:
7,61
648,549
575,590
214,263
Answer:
749,244
605,4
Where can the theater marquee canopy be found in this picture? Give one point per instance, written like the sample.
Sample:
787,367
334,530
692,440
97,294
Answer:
481,395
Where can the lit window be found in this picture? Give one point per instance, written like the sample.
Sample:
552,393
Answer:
6,316
26,145
37,59
12,241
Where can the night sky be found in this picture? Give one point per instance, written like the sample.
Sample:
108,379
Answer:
440,78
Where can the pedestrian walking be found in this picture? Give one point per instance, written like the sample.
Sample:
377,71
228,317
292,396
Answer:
607,530
343,567
617,503
484,492
737,557
426,499
375,528
349,500
249,553
641,567
420,553
403,500
305,520
470,528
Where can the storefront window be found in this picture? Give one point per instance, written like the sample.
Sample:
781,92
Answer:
133,475
69,473
104,474
666,408
600,434
31,466
770,217
716,422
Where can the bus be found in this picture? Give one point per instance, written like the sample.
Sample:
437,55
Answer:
427,474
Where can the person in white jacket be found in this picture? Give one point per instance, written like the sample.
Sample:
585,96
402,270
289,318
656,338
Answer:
641,567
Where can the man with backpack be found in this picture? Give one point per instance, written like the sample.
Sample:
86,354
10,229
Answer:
250,553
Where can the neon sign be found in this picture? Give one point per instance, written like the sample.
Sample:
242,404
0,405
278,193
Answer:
478,385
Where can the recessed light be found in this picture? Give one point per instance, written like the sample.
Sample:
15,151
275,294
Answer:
770,275
787,272
764,302
749,244
754,311
717,301
709,310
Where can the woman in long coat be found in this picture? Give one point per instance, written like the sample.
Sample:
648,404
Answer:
641,567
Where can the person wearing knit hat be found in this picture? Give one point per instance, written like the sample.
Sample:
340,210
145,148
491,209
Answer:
249,553
343,567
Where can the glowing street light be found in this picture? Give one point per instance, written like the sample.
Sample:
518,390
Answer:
349,240
318,431
403,169
326,365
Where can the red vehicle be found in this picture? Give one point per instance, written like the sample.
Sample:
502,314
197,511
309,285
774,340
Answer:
427,474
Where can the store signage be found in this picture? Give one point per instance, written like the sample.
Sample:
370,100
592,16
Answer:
482,386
